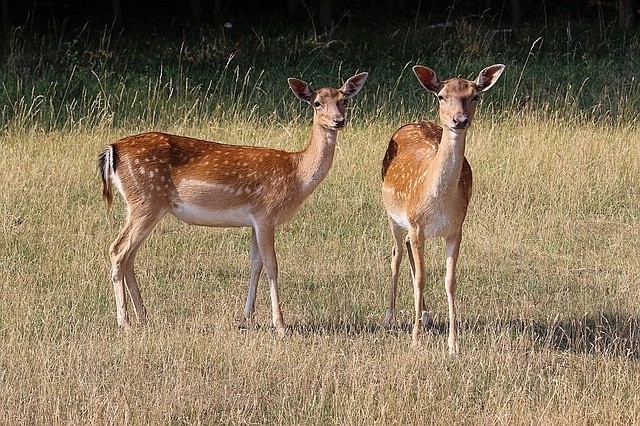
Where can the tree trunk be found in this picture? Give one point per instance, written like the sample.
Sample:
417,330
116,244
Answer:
195,11
117,13
6,22
217,12
516,12
627,14
292,8
324,15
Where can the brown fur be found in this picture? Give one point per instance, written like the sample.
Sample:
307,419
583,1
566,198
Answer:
426,187
216,184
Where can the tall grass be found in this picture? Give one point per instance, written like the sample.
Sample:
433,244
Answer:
548,271
547,294
87,78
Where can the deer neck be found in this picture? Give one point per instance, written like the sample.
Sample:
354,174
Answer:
448,162
315,161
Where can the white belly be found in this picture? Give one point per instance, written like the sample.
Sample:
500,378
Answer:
198,215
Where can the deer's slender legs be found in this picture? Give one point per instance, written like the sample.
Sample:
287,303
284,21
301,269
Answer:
132,286
452,249
396,258
265,238
416,239
426,319
122,253
256,268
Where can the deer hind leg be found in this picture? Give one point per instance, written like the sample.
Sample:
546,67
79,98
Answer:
265,239
132,286
427,322
452,248
256,268
396,258
416,240
122,253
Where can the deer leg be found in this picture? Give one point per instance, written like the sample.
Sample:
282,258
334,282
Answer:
416,240
122,253
396,258
256,268
132,286
452,248
117,278
426,319
265,238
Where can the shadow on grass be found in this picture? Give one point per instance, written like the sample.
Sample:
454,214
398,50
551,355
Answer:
615,335
608,334
346,327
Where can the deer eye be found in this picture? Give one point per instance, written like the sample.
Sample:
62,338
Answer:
441,98
476,98
317,104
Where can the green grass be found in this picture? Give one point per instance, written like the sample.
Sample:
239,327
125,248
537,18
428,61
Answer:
548,272
80,79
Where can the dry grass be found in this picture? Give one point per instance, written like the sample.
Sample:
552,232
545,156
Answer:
549,296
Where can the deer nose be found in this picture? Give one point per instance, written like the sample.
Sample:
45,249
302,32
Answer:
339,120
461,122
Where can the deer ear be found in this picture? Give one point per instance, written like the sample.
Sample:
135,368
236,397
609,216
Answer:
352,86
488,77
428,78
301,90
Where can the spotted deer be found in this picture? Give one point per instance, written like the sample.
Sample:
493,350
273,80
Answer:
426,187
219,185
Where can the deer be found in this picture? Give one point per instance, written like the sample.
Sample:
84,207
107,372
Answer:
218,185
426,189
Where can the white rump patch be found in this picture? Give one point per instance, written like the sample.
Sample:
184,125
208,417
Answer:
118,184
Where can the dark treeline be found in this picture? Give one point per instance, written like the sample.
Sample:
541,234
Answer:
162,15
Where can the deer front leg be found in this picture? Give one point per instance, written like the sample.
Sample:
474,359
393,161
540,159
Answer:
416,239
265,238
452,250
426,319
396,258
256,268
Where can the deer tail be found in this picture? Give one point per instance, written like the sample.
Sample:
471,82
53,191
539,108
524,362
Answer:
106,168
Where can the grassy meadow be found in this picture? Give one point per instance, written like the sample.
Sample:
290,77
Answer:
548,274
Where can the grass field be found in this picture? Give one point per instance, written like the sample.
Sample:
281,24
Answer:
548,293
548,274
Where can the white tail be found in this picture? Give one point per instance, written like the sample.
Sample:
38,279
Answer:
214,184
427,187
